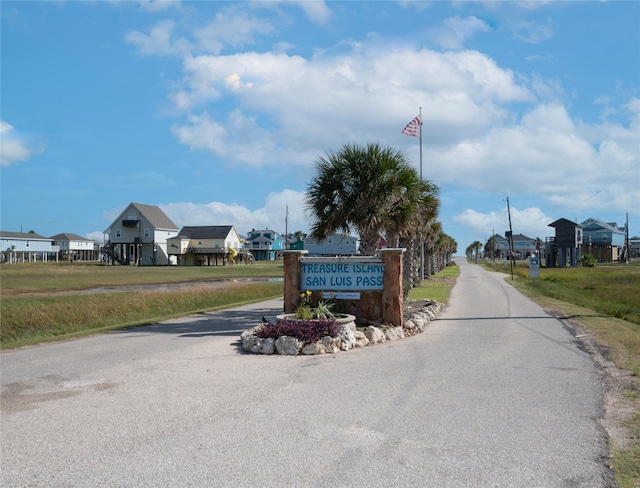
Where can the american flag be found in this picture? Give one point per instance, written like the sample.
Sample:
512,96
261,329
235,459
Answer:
413,128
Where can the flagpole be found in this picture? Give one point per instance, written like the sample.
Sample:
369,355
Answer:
422,238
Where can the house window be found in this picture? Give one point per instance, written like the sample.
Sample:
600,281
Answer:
118,233
147,233
27,243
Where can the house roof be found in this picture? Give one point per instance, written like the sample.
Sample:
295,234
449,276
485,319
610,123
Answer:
599,225
156,217
69,237
522,237
259,238
22,235
263,231
564,222
205,231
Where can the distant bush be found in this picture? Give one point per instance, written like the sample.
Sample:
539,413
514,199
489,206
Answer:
588,260
307,331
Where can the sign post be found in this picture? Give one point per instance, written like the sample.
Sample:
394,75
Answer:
534,268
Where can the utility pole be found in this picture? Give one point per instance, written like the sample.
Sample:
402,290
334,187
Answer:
626,244
513,254
286,227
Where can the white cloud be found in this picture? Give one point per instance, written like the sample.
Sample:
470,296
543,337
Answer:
15,147
533,33
309,105
157,41
531,222
548,155
454,31
316,11
271,216
158,5
230,28
484,126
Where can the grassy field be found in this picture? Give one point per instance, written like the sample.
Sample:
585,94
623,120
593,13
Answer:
33,310
605,301
18,279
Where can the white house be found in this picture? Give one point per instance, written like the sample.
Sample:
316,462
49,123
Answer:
333,245
139,236
76,248
205,245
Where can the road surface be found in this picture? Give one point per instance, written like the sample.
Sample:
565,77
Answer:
495,393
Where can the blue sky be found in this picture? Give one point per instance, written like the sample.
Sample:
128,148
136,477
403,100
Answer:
216,111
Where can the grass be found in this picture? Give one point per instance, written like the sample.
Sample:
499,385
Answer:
30,320
17,279
437,287
32,312
605,300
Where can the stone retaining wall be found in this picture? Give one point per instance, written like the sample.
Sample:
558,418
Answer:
417,317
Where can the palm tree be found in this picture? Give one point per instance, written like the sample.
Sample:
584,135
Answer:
491,246
370,189
415,230
478,248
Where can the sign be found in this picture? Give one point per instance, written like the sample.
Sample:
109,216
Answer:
340,275
345,295
534,268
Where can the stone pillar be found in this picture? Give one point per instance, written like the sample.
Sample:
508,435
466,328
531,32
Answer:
292,279
392,299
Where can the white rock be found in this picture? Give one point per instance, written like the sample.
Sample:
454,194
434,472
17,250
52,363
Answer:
331,344
361,339
286,345
375,335
347,337
314,348
394,333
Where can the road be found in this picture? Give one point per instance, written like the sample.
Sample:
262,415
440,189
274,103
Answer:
495,393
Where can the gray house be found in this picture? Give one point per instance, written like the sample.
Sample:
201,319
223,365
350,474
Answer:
139,236
603,240
523,246
564,248
17,247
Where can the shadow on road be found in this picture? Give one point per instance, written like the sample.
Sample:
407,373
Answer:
222,323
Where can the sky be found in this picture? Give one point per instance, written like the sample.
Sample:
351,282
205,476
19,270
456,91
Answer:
217,111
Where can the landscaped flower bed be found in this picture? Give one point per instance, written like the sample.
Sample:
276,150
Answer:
290,336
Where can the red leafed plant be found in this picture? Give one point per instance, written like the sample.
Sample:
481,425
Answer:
307,331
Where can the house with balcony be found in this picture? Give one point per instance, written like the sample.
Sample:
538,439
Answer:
138,236
523,246
76,248
264,245
603,240
207,246
333,245
19,247
564,248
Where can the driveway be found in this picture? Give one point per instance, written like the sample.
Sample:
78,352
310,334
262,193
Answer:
495,393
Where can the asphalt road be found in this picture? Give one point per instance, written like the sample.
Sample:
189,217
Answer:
495,393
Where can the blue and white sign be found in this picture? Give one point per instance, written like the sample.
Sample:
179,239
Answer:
340,275
534,268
